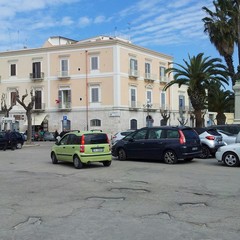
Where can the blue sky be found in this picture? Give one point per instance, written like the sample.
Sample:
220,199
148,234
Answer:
172,27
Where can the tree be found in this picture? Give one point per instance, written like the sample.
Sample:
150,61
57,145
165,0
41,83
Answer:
220,101
223,28
165,115
28,107
198,73
6,109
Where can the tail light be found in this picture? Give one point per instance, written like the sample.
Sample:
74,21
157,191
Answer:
210,137
82,147
182,139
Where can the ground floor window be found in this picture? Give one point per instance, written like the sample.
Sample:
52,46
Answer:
133,124
95,123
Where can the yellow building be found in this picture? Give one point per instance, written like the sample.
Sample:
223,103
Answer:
103,83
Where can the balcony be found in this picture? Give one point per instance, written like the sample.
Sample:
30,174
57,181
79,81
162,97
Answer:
134,106
164,79
150,77
164,107
63,75
133,73
39,107
37,76
64,106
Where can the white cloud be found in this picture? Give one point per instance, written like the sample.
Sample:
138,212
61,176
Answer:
84,21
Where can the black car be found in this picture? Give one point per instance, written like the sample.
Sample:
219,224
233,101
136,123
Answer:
12,140
166,143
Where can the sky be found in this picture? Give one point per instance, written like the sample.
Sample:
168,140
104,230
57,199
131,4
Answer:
171,27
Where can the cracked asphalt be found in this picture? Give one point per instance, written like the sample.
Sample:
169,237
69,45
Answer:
132,200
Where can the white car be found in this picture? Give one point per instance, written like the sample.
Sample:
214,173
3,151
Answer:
229,155
118,136
228,138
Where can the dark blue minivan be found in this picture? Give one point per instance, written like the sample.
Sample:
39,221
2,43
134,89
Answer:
167,143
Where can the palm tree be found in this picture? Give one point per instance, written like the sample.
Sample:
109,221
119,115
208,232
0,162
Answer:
220,101
197,75
221,28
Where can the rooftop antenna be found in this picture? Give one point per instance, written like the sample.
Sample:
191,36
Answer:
115,31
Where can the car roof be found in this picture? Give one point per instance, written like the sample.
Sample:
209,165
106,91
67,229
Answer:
80,133
168,127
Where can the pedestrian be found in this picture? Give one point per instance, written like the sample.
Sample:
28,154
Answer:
63,132
56,134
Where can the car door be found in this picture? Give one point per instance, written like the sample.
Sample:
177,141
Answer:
153,146
61,149
134,145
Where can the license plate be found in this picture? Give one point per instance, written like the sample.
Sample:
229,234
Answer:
97,150
195,148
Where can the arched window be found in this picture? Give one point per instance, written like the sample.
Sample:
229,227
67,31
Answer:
133,124
95,123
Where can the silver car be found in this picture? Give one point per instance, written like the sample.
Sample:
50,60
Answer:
228,138
211,140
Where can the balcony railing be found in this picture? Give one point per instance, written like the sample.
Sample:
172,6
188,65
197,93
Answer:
64,105
63,75
133,73
36,76
150,77
134,105
164,79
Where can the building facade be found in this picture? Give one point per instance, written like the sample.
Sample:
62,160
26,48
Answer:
100,83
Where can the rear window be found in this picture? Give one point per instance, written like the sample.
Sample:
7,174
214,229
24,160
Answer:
213,132
190,134
95,138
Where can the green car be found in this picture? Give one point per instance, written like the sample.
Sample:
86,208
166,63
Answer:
82,147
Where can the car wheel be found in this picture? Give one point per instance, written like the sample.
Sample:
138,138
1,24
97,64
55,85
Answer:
77,163
170,157
231,159
122,154
54,158
205,152
107,163
19,145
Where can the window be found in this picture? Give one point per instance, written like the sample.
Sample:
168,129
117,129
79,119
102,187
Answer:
13,98
181,102
95,123
36,70
133,64
149,96
95,93
163,100
147,68
94,63
64,67
133,97
141,134
162,74
13,70
64,98
38,99
133,124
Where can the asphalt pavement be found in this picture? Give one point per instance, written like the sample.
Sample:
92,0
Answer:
130,200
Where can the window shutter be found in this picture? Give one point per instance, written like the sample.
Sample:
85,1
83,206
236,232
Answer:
60,98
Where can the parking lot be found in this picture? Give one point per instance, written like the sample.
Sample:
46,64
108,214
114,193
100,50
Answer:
129,200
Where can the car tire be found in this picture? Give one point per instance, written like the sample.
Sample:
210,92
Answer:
19,145
205,152
122,154
54,158
76,162
107,163
170,157
231,159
